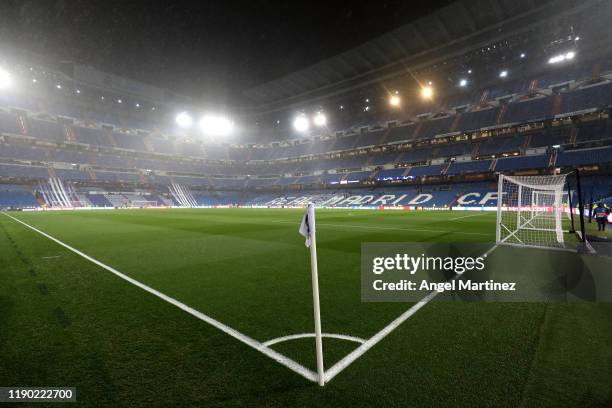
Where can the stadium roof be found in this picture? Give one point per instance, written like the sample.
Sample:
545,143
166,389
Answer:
450,31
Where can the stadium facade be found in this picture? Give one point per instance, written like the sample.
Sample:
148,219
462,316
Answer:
524,93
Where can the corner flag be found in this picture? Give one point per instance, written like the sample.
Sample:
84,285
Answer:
308,225
307,230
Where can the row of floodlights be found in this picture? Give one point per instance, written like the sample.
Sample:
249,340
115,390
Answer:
301,123
213,125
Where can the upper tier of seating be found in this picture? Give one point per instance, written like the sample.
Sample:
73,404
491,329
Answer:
442,119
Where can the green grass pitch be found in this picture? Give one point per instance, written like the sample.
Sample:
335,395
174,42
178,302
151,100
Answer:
65,321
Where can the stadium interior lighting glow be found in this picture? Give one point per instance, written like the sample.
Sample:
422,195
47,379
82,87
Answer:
463,82
522,55
394,100
183,120
301,123
320,119
5,79
427,92
216,125
562,57
58,86
34,80
503,74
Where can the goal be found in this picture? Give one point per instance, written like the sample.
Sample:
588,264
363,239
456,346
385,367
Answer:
533,210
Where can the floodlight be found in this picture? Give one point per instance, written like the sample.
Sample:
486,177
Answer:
427,92
522,55
213,125
463,82
320,119
58,86
503,74
5,79
394,100
183,119
300,123
34,80
562,57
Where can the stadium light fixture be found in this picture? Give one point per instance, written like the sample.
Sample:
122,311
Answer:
34,80
463,83
213,125
469,71
78,91
562,57
503,74
58,86
300,123
320,119
522,55
183,120
395,100
5,79
427,92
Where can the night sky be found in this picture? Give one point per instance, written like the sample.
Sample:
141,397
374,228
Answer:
200,48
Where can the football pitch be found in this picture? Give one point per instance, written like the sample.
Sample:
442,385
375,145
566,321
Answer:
202,301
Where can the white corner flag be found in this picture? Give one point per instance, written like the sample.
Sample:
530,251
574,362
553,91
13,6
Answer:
307,230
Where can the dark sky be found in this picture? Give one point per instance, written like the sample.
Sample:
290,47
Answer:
200,47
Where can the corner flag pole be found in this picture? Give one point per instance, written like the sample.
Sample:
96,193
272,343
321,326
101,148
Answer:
310,219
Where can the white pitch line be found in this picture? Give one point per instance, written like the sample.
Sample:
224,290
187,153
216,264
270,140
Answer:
262,348
308,335
466,216
372,341
390,228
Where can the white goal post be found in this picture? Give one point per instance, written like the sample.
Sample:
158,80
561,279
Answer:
531,210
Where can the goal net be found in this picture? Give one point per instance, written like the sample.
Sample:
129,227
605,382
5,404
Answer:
531,210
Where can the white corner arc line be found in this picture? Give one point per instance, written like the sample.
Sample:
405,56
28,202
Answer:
307,335
262,348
